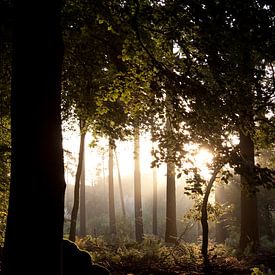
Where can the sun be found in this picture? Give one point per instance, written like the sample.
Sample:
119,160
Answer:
202,159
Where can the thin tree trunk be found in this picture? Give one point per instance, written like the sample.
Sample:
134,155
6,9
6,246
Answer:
137,189
204,216
74,213
120,187
112,214
82,210
249,207
36,204
155,202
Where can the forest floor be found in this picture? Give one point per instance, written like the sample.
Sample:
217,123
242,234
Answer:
218,266
152,257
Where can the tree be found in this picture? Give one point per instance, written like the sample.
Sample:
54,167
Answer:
249,203
80,88
112,213
137,189
171,225
204,215
82,201
79,170
226,51
171,215
36,205
155,202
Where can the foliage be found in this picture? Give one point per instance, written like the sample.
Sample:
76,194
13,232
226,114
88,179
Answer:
214,210
154,257
151,255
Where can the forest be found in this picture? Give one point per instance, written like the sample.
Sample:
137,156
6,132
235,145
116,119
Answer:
137,137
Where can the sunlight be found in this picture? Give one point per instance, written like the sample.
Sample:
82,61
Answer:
96,158
202,160
198,157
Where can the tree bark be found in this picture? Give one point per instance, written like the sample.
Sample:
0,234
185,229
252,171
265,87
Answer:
74,213
155,202
112,214
137,189
249,207
82,206
171,214
36,205
204,216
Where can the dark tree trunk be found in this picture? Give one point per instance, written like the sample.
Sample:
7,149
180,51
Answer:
112,213
74,213
171,204
137,189
82,206
120,188
171,217
36,206
155,202
249,207
204,217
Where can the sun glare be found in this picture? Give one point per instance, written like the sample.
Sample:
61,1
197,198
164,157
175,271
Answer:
202,160
96,158
203,157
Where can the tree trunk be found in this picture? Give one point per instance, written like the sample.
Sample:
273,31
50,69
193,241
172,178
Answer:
171,217
112,214
155,202
249,207
137,189
36,205
171,205
120,187
204,216
82,206
74,213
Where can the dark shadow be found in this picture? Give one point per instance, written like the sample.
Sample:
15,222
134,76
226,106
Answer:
78,262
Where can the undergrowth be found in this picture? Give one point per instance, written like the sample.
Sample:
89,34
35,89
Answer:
153,256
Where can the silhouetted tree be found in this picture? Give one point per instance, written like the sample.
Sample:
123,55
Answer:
74,213
36,205
82,201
